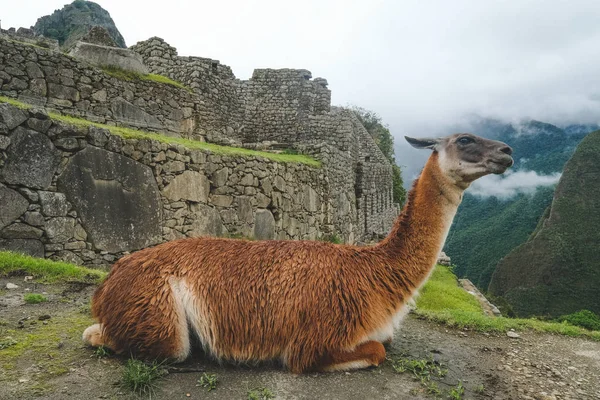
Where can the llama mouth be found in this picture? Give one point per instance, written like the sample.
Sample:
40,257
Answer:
500,166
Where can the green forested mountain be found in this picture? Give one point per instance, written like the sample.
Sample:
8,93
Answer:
557,271
485,230
488,228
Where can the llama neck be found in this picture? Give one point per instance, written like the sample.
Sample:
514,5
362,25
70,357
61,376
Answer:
420,231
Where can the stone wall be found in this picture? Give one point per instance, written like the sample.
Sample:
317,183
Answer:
26,35
284,108
62,83
214,84
86,196
274,110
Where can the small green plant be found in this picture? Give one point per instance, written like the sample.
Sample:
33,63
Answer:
7,342
332,238
140,377
584,318
260,393
34,298
101,352
208,381
86,308
479,388
239,236
422,369
290,151
432,388
456,393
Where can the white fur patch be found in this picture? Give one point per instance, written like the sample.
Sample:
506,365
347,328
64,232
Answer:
347,366
191,310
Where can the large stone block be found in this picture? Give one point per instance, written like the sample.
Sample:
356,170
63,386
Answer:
12,205
54,204
311,199
60,229
109,57
20,231
12,116
125,111
63,92
116,198
207,221
30,247
189,185
264,225
31,160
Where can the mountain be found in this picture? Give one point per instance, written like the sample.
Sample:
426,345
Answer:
486,229
557,270
74,21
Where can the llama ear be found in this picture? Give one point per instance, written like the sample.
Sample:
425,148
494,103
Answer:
422,143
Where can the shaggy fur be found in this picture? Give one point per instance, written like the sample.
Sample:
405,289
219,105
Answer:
312,305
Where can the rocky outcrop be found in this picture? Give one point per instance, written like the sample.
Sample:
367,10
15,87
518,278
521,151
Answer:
556,271
74,21
105,56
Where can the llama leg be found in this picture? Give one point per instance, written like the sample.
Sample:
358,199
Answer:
368,354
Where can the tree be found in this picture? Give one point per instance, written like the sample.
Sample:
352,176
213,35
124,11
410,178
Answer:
385,141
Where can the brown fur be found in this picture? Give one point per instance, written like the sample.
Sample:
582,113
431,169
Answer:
313,305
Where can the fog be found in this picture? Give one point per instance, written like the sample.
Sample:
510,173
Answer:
421,65
511,183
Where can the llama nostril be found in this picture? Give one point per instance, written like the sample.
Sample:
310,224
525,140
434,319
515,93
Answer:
506,150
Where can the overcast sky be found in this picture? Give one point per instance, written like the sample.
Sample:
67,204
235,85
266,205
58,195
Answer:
421,65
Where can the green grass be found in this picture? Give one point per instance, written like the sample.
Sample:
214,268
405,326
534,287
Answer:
47,271
260,393
122,74
443,301
128,133
332,238
14,102
141,378
34,298
208,381
584,318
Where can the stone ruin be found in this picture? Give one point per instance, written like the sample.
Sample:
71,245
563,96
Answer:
88,196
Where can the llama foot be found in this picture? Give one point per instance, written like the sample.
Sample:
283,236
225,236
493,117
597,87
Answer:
93,336
365,355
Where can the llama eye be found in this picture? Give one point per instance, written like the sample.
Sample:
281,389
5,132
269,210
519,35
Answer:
465,140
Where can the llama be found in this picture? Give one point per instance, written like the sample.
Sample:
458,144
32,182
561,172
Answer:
315,306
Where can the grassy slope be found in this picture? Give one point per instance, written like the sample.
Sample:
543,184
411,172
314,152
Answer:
128,133
443,301
130,76
46,270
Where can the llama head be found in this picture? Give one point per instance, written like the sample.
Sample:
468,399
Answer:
464,157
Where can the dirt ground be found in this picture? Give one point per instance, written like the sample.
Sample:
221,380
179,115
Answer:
49,361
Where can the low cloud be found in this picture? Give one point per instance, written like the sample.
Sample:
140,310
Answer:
507,186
